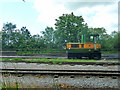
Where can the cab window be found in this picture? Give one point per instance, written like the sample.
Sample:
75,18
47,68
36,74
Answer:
74,45
82,45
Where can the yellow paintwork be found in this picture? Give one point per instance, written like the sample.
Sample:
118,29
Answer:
86,46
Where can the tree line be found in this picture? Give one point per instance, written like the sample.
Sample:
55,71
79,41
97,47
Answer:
68,28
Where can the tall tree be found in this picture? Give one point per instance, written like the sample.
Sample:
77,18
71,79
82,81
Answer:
68,28
100,31
49,38
14,38
37,42
8,32
24,39
116,40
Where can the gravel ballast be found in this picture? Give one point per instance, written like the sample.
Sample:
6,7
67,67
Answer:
49,81
77,81
47,66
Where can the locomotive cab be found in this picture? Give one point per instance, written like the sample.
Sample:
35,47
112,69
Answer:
89,47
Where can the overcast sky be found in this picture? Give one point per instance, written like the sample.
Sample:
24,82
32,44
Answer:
36,15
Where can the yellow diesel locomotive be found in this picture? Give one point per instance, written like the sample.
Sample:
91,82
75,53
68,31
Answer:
89,47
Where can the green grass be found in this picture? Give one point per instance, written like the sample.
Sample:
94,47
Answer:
54,61
11,59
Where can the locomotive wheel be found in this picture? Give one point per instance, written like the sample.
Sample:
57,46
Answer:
91,57
96,56
70,56
79,57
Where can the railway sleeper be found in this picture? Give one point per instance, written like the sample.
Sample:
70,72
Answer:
114,77
72,76
56,76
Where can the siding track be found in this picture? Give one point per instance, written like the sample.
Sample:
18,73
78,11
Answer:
62,72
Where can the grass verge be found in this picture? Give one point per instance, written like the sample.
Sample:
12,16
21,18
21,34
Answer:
57,60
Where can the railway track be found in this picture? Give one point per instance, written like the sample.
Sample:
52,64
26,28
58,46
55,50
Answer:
61,72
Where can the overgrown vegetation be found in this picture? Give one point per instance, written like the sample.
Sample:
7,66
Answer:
68,28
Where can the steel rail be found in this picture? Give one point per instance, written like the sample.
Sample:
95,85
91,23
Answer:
55,57
65,70
61,72
64,73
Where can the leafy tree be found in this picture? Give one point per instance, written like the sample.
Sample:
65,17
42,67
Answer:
109,42
37,42
0,40
25,33
69,28
13,38
114,33
8,34
24,39
49,37
100,31
116,40
106,42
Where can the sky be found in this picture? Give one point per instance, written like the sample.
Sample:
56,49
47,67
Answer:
36,15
